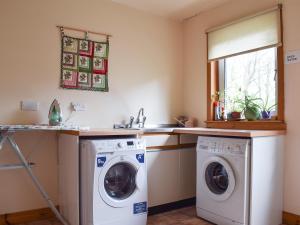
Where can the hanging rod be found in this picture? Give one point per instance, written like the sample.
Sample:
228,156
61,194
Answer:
85,31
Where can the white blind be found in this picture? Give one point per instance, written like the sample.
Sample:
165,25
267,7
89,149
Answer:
248,34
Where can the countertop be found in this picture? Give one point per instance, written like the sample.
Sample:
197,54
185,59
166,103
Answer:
103,132
229,132
193,131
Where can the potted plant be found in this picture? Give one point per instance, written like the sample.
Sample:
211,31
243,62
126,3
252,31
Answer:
235,115
251,107
266,109
234,109
235,112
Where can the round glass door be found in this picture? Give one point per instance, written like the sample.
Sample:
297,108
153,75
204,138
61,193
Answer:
216,178
119,181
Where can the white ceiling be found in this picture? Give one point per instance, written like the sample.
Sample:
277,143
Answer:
173,9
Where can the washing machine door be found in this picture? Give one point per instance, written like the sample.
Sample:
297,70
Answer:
218,178
119,181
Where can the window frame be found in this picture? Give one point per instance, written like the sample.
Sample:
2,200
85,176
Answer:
213,87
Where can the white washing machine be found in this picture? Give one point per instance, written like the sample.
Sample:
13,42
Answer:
113,182
239,180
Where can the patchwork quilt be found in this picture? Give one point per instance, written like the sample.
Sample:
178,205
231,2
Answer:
84,64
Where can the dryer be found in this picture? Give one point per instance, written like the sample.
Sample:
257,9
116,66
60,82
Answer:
113,182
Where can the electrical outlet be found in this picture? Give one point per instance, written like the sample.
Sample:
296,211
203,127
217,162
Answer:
29,105
76,106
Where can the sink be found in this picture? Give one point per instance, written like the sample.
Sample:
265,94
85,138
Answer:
155,128
158,129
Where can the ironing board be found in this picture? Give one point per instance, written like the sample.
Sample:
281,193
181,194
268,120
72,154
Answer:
7,135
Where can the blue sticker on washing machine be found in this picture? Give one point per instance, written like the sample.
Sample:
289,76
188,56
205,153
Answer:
140,207
140,158
101,161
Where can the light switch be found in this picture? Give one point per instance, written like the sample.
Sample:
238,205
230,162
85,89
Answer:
29,105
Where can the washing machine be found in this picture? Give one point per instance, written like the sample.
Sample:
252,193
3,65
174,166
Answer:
113,182
239,180
222,180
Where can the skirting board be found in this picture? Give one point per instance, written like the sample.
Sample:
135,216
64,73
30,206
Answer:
26,216
46,213
171,206
290,219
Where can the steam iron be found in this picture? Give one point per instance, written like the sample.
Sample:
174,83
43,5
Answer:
55,114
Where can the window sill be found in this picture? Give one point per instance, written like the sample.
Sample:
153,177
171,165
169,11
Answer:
247,125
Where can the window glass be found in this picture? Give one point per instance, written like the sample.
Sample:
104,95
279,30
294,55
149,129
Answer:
253,74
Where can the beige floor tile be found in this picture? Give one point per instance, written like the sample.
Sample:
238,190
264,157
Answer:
184,216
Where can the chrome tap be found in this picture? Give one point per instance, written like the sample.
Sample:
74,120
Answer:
130,122
140,120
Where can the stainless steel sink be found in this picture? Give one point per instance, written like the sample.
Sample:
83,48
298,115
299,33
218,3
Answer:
156,128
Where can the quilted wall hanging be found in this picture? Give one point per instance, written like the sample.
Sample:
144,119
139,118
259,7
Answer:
84,63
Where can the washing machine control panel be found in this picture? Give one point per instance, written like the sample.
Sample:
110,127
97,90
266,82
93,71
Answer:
223,145
120,145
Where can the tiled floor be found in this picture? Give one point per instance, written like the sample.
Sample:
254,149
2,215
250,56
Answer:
185,216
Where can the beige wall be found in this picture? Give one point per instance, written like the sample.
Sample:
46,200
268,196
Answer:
145,62
292,80
145,70
195,76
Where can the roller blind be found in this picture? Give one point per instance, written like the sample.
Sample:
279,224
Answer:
248,34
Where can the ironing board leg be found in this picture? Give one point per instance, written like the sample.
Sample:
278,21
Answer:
35,180
2,140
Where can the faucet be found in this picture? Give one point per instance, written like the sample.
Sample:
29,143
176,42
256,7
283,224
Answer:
141,113
130,122
138,123
140,120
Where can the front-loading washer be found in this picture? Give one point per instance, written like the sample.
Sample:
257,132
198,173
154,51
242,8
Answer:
222,180
113,182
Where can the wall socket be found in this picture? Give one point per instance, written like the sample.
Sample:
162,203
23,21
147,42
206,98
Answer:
29,105
77,107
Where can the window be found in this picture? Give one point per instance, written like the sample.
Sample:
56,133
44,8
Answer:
245,73
253,74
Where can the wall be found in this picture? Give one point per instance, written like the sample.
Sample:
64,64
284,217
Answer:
195,76
292,80
145,70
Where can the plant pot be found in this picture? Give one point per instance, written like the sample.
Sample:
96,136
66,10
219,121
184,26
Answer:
251,113
266,115
235,115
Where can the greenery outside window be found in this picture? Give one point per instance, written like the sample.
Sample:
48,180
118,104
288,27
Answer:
252,74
